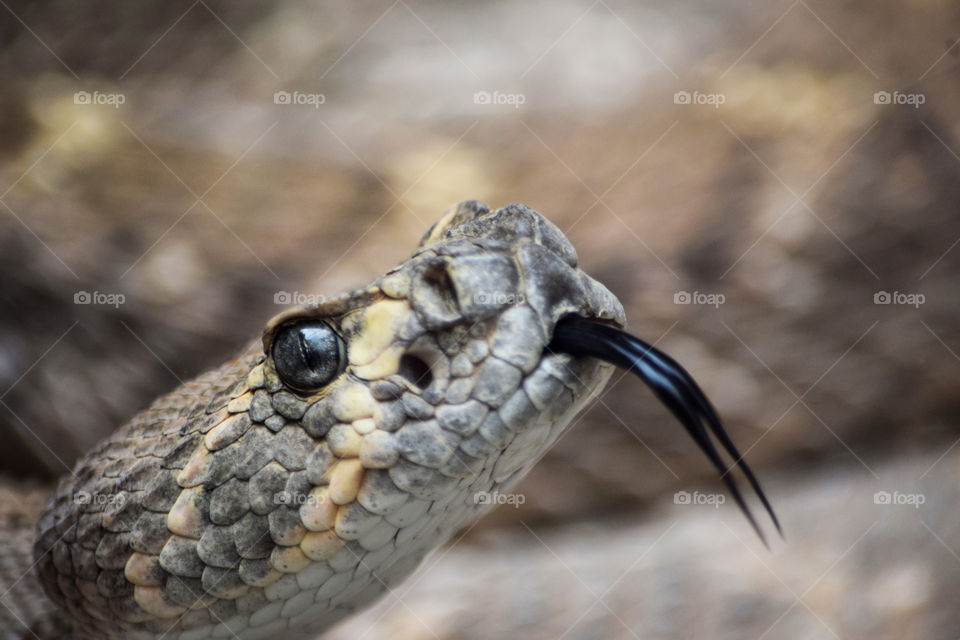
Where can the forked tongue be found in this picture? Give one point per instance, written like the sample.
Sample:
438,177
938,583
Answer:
673,386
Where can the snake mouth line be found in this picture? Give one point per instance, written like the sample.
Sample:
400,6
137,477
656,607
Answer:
673,386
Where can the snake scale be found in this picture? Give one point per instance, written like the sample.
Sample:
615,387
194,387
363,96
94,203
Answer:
282,491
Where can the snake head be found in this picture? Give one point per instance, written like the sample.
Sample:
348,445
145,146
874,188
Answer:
447,352
294,485
503,287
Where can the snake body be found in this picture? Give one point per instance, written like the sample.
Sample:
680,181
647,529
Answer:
241,506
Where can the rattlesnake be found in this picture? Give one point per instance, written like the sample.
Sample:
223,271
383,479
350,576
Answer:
280,492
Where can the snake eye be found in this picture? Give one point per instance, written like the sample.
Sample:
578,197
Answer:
308,355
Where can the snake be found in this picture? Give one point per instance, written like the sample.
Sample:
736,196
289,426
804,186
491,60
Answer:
275,495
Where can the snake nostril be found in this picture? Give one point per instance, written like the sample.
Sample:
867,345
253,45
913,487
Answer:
415,370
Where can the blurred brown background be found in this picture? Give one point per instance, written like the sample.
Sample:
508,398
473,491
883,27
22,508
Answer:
773,191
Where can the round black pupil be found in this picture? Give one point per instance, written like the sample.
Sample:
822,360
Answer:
307,356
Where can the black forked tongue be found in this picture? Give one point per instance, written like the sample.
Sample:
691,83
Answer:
672,385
